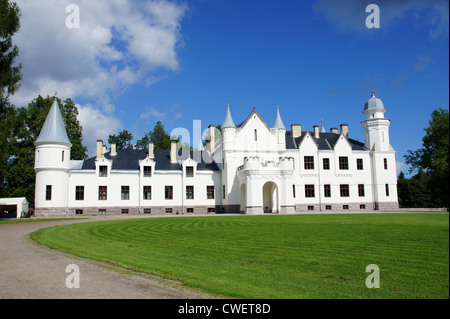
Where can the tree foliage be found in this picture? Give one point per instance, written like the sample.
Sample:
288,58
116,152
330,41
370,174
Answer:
432,158
122,139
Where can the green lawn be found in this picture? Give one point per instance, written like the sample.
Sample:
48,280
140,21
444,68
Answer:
290,256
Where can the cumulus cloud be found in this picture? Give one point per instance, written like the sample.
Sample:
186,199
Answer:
119,43
96,126
352,15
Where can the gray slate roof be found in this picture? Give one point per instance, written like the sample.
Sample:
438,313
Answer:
54,130
129,160
325,141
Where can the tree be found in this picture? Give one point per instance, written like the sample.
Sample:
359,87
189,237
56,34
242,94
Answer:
10,77
122,140
19,178
159,137
433,157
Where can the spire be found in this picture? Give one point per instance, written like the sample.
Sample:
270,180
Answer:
54,130
322,129
278,122
228,119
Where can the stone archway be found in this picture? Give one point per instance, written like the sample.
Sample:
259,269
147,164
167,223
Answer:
270,198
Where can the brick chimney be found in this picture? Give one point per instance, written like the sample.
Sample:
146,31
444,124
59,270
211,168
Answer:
212,138
151,150
334,130
173,151
344,129
316,131
99,149
113,149
296,130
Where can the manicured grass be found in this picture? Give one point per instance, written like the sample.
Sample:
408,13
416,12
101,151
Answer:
295,256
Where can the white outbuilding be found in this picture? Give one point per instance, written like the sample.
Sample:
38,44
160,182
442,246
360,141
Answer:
13,207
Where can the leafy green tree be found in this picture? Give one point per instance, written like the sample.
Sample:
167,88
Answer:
159,137
122,140
10,76
433,157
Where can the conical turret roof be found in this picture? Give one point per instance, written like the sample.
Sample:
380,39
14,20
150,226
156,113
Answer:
228,119
278,122
54,130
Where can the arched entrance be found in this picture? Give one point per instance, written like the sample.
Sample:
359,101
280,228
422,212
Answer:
270,198
243,198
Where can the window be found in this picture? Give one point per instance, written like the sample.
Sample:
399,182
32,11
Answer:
48,192
326,163
256,135
62,156
211,210
169,192
362,206
189,171
189,192
189,210
345,192
223,191
387,189
103,171
147,210
147,192
385,164
78,212
359,164
328,207
327,190
102,192
361,192
102,211
293,190
311,207
343,162
125,193
345,207
79,193
147,171
309,190
210,192
309,162
168,210
124,211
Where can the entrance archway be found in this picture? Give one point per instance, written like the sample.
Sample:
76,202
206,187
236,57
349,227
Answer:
270,197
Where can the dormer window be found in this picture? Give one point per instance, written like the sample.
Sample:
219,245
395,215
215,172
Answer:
189,171
147,171
103,171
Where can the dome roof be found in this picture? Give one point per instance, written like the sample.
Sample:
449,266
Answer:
374,103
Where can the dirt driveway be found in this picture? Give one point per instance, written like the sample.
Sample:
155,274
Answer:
28,270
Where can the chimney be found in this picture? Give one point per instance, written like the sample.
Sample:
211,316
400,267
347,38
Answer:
104,149
212,139
334,130
296,130
344,129
99,149
151,152
316,131
173,151
113,149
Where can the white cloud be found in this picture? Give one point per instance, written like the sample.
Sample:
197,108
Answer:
153,113
352,15
96,126
119,43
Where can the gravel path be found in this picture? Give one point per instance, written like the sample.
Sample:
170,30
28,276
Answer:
28,271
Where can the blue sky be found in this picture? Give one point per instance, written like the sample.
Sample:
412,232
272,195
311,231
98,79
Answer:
184,61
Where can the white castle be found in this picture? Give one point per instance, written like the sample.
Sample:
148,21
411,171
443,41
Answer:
248,168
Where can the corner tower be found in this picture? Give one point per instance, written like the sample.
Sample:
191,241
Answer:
52,164
376,126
